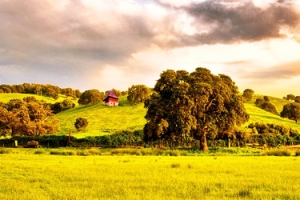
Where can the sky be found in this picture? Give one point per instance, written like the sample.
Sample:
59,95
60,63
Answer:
105,44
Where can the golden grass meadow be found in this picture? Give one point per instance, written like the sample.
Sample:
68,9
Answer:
36,174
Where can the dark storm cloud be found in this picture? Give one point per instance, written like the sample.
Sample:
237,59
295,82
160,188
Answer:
221,21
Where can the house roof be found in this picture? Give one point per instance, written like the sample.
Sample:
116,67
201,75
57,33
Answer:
111,94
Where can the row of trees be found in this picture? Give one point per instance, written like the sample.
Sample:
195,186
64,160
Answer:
136,94
47,89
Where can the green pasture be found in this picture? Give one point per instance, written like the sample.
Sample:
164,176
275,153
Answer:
30,174
103,119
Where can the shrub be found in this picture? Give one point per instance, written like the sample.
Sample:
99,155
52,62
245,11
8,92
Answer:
280,152
81,123
39,152
269,107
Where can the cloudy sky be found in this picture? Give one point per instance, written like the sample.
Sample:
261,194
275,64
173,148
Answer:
104,44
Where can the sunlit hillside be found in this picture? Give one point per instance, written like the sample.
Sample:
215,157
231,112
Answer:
103,119
107,120
259,115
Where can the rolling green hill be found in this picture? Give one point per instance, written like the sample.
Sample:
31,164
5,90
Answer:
107,120
103,119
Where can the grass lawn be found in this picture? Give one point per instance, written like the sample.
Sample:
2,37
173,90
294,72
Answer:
26,175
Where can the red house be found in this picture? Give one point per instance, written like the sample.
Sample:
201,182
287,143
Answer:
111,99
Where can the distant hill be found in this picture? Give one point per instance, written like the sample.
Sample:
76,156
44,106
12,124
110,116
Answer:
107,120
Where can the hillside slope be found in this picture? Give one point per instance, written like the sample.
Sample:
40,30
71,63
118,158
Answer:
107,120
103,119
260,115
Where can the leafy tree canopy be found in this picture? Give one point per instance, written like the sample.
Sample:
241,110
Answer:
138,94
290,97
291,111
91,97
26,117
248,94
185,106
61,106
47,89
266,105
81,123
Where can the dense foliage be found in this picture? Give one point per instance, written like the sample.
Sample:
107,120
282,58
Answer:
138,94
266,105
81,123
291,111
248,94
186,106
93,96
48,90
124,138
272,134
62,106
290,97
26,117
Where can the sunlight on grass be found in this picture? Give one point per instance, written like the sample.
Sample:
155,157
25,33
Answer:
103,119
260,115
34,176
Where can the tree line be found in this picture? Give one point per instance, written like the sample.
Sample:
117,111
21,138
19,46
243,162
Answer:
46,90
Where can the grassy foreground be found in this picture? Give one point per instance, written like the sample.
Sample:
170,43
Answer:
26,175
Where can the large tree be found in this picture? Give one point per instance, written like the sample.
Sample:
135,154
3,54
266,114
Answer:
291,111
138,94
185,106
93,96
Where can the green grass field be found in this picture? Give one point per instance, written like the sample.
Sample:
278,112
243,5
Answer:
103,119
25,175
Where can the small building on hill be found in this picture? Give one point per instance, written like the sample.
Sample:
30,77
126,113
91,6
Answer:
111,99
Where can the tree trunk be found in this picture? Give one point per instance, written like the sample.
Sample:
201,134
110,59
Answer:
203,142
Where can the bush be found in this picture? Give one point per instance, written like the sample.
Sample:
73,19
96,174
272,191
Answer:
81,123
280,152
269,107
